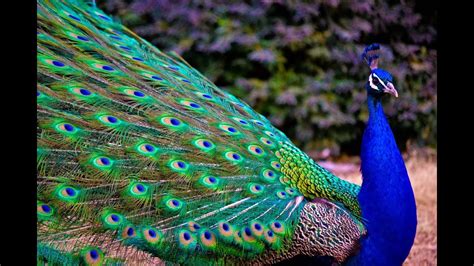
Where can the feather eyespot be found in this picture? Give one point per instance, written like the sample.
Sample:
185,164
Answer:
92,256
291,191
44,211
128,232
67,193
193,226
204,96
241,122
146,149
210,182
267,142
255,189
258,123
138,190
179,166
276,165
191,105
281,194
109,120
268,133
112,220
225,229
186,240
257,228
66,128
233,157
55,63
268,175
81,92
103,162
247,235
208,239
256,150
134,93
172,122
277,227
229,129
173,204
204,144
151,76
152,235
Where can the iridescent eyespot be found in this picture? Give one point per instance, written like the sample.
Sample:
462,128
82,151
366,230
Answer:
128,232
152,235
257,228
171,122
125,48
173,204
44,211
103,162
204,144
210,182
258,123
268,175
115,37
102,16
55,63
281,194
153,77
238,104
204,96
191,105
92,256
138,190
193,226
241,121
207,239
146,149
267,142
66,128
276,165
112,220
186,240
225,229
256,150
134,93
109,120
102,67
291,191
67,193
229,129
271,238
268,133
173,68
81,92
233,157
247,235
255,189
277,227
178,166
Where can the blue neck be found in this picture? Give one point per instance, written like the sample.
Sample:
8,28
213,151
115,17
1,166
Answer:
386,196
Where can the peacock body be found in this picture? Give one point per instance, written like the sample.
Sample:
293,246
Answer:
141,157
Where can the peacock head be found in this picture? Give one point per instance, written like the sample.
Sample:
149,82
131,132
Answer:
380,81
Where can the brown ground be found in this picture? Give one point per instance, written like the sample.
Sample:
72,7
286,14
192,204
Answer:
422,169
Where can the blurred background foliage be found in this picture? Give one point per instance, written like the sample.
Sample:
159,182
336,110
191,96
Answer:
298,62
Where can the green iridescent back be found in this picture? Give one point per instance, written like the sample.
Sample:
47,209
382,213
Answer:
141,157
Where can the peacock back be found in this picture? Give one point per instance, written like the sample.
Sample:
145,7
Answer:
140,156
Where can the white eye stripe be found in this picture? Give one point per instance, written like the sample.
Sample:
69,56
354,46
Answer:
371,83
380,80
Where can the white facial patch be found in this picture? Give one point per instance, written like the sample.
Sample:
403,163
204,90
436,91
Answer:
380,81
372,84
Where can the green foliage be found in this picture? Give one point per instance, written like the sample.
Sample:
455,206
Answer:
298,63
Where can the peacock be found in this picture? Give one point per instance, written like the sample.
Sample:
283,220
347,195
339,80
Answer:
142,160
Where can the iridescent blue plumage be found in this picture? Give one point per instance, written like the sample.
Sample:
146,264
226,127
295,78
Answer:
386,196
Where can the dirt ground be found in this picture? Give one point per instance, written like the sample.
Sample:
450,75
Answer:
422,169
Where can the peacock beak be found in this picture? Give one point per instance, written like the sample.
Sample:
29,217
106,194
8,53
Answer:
391,89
